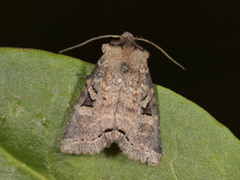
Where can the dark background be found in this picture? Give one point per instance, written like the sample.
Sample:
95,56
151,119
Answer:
201,35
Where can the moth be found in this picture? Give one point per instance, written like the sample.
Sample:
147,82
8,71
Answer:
117,105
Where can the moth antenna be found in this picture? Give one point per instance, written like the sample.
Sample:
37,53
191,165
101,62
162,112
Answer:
90,40
159,48
118,36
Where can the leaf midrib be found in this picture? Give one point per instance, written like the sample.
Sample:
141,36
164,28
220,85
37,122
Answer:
21,165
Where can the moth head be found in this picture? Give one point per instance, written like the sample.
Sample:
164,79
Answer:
124,49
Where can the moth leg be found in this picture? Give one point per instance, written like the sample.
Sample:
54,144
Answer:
82,76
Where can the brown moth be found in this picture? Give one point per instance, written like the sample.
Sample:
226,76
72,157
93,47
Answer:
117,104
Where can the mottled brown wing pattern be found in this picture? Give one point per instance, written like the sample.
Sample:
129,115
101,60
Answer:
137,120
83,133
118,105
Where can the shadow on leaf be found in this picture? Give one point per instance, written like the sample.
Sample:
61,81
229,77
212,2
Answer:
113,150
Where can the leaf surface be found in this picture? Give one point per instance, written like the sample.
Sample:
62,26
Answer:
38,91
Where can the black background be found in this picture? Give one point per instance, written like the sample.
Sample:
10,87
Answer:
201,35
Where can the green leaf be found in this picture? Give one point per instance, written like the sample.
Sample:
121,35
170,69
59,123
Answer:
38,90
